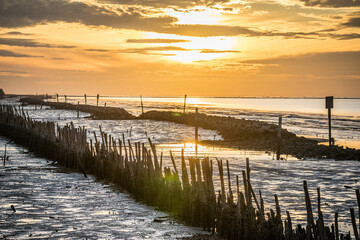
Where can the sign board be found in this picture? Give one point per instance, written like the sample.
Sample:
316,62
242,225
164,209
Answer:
329,102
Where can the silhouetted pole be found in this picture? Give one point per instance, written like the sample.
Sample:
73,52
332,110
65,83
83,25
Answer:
65,98
279,139
78,112
142,106
184,103
105,105
57,97
329,105
97,100
196,129
85,99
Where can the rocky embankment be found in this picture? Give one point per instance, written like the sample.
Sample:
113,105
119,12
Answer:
257,135
101,113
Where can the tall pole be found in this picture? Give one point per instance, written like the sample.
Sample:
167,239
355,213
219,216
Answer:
329,104
184,103
142,106
329,117
279,139
97,100
85,99
78,112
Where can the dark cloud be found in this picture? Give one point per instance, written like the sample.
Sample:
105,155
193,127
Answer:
17,33
155,40
6,53
329,63
151,50
345,36
353,20
97,50
332,3
166,3
21,13
19,42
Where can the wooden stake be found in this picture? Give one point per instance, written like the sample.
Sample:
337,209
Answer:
142,106
353,221
358,202
184,103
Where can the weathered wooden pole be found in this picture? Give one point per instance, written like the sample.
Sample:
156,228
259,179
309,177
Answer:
78,112
57,97
358,201
65,98
353,221
85,99
196,129
279,139
329,105
142,106
336,226
184,103
97,100
5,155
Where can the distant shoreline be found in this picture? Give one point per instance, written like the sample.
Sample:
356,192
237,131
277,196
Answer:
180,97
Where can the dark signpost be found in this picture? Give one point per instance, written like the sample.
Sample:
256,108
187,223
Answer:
329,101
279,139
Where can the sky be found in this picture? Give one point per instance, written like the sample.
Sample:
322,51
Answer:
257,48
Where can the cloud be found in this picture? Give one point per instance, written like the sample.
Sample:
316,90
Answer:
6,53
345,36
17,33
154,50
22,13
218,51
97,50
332,3
19,42
156,40
199,30
328,63
353,20
166,3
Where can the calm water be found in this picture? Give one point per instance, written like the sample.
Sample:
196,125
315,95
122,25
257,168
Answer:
281,177
303,116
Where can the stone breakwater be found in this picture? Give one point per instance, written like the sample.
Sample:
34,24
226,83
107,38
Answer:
100,113
239,133
256,135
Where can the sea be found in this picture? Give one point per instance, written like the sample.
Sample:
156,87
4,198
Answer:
304,116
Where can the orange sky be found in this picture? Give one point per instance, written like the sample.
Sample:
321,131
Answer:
292,48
